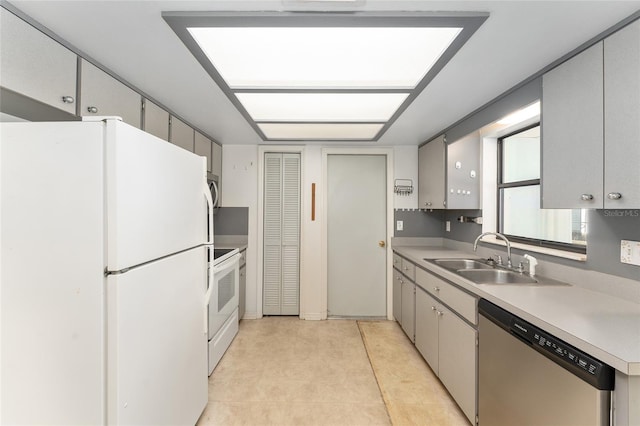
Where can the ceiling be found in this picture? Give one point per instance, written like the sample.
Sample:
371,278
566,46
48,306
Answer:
517,40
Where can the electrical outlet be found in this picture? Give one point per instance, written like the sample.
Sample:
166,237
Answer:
447,225
399,225
630,252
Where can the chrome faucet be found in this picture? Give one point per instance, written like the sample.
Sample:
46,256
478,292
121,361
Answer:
475,244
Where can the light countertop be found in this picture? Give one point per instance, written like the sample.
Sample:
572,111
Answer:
606,327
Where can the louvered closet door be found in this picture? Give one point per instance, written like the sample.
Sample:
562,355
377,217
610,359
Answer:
281,275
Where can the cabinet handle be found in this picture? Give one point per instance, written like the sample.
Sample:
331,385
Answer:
428,204
406,268
68,99
436,288
586,197
440,313
92,109
614,195
433,308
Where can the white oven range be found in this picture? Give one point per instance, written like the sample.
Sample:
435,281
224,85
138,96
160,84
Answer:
223,303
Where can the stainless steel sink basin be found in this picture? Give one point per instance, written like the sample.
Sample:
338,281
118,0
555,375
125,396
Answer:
496,276
461,264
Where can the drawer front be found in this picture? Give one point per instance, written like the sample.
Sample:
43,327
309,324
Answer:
463,303
409,269
397,261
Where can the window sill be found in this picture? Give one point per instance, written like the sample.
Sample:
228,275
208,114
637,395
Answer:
578,257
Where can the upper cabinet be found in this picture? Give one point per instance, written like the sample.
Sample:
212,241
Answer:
431,174
463,173
156,120
202,146
622,118
35,65
216,160
101,94
181,134
449,173
591,126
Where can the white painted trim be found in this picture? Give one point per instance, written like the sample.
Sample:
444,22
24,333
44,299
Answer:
388,152
262,149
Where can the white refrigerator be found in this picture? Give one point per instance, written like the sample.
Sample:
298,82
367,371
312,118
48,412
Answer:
104,235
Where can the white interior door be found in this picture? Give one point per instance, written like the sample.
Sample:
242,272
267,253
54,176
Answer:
356,224
281,263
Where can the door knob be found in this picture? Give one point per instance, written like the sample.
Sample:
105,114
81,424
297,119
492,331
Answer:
381,243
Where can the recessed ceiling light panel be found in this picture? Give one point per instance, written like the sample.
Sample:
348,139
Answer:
323,57
333,107
320,131
326,75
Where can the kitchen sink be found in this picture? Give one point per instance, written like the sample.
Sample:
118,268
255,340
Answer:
461,264
496,276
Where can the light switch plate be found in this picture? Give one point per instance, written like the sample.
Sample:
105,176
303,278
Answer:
399,225
630,252
447,226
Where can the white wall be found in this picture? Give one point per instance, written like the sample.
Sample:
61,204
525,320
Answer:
240,182
405,166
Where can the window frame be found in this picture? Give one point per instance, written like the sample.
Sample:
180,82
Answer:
576,248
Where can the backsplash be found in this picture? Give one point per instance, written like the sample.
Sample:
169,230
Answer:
231,221
419,223
606,229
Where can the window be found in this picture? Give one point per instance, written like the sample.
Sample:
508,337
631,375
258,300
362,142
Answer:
520,216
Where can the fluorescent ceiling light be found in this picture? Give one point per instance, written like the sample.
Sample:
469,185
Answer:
320,131
323,76
323,57
333,107
521,115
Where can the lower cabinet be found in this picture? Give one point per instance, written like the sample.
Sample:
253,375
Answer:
397,296
242,291
427,328
448,344
457,360
408,308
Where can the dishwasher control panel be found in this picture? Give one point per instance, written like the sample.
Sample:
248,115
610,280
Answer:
562,350
589,369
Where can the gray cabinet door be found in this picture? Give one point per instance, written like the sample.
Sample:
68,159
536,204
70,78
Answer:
202,146
572,132
427,328
101,94
397,296
408,308
463,173
457,361
36,66
156,120
431,174
216,160
622,117
181,134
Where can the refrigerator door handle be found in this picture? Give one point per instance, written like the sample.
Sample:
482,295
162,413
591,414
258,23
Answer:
207,300
207,195
207,296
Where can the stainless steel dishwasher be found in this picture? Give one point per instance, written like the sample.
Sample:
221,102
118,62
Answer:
529,377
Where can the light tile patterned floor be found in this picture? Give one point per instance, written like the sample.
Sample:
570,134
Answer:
285,371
